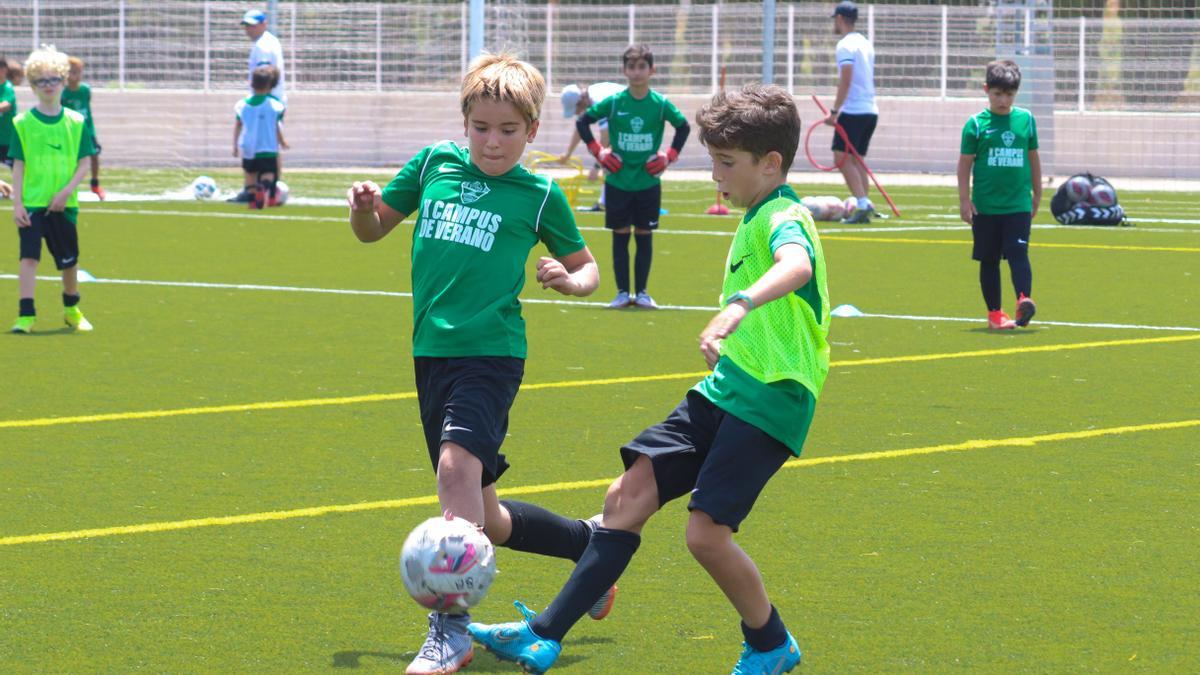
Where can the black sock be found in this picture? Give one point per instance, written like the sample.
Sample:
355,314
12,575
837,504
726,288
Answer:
621,260
1022,272
95,182
26,305
771,635
536,530
70,300
601,565
989,281
641,260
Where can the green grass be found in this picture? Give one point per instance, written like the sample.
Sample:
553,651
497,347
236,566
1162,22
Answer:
1067,555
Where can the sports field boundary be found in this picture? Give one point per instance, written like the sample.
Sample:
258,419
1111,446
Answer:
428,500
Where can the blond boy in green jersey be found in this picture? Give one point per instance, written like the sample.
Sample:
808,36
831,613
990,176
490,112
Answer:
999,150
769,352
478,213
46,146
636,120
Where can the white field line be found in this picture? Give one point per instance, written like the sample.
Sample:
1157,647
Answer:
572,303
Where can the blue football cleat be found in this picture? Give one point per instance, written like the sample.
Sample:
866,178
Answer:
782,659
516,641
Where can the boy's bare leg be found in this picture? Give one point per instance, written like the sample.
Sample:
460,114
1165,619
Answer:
27,277
735,573
70,280
458,477
96,168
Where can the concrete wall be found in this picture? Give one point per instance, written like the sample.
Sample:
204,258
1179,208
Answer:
339,129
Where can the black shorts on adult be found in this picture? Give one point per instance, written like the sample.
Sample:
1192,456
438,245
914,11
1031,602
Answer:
723,461
261,165
997,236
859,129
466,401
640,209
59,232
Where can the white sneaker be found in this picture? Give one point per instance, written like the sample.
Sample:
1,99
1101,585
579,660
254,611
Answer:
644,301
447,646
622,300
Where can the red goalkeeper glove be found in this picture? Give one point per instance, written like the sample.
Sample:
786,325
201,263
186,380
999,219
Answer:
607,158
661,161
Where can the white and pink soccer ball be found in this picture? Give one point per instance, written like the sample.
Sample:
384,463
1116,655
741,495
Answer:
447,565
1103,195
1079,189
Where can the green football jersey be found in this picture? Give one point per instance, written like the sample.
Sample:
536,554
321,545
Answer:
635,129
1001,173
51,148
471,241
81,102
772,368
7,95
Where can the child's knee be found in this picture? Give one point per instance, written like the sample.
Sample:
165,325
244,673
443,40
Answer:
456,464
633,497
706,538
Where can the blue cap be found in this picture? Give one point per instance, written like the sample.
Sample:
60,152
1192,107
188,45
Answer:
847,9
253,17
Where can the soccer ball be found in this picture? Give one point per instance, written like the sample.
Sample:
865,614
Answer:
849,206
204,188
1103,195
281,193
447,565
1079,189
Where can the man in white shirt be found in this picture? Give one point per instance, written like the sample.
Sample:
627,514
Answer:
267,51
854,107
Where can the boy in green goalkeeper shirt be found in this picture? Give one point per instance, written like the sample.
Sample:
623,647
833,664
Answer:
478,214
77,96
1000,151
47,145
633,190
769,355
8,110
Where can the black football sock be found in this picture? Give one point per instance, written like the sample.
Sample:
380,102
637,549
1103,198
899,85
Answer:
536,530
95,182
771,635
1022,273
70,300
26,307
641,260
621,260
605,559
989,281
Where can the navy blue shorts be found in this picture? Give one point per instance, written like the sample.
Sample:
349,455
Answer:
623,208
999,236
59,232
859,129
261,165
721,460
466,401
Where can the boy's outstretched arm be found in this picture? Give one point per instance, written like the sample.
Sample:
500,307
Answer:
572,274
20,215
966,209
370,218
237,133
791,271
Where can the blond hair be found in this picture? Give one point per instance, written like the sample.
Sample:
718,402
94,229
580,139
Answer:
504,77
75,61
47,61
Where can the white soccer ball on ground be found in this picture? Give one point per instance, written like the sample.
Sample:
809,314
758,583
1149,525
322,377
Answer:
447,565
204,187
1103,195
1079,189
281,193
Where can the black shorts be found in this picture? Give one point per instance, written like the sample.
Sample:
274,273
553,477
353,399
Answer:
640,209
60,234
466,401
721,460
998,236
859,129
96,144
261,165
4,158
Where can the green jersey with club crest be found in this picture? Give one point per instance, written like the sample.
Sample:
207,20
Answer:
635,129
471,240
1001,173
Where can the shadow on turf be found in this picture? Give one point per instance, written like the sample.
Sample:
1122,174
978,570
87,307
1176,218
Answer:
46,333
484,661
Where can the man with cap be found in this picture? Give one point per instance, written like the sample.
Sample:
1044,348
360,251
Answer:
854,107
575,100
267,51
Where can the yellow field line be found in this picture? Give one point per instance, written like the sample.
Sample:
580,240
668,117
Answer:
429,500
963,242
636,379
